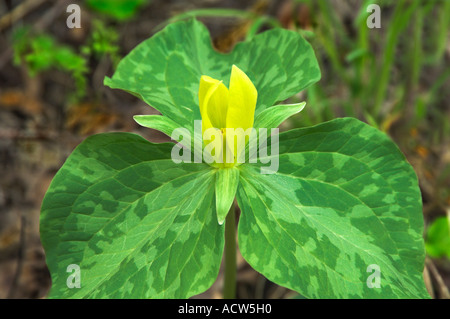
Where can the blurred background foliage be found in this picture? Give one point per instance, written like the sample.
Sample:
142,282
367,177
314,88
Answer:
395,78
117,9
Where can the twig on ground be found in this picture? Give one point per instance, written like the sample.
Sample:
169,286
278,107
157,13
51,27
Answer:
443,290
19,12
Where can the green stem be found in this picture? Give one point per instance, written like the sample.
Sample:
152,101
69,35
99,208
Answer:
229,288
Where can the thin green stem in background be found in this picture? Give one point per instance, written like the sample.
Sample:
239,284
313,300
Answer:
441,31
229,288
400,20
327,37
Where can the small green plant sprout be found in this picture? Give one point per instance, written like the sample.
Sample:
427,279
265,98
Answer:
339,216
438,238
120,10
39,53
102,42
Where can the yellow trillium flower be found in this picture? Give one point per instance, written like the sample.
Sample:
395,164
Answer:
223,108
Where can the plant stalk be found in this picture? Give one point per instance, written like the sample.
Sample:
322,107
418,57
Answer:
229,288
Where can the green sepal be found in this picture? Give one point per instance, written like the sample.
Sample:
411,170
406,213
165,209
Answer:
227,181
157,122
277,114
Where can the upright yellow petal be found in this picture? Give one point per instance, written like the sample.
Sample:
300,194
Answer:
217,104
213,102
206,83
242,100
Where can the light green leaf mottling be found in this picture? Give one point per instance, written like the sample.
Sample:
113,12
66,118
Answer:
344,198
138,225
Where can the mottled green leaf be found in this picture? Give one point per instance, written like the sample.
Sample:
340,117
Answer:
227,180
137,224
344,198
165,70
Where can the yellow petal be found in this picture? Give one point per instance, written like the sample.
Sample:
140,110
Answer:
214,141
206,83
216,101
213,102
241,111
242,100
